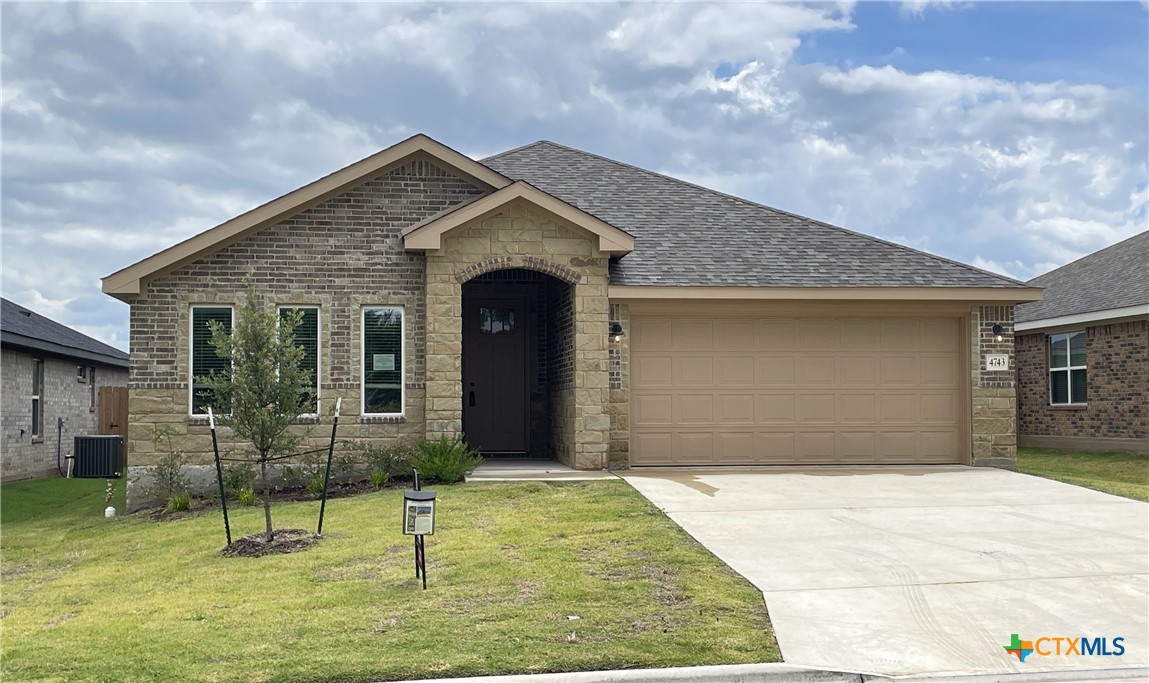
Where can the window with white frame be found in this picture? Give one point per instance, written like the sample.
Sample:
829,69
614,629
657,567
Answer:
1067,373
307,337
204,359
382,360
92,388
37,396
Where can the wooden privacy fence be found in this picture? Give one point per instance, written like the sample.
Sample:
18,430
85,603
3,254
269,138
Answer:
112,415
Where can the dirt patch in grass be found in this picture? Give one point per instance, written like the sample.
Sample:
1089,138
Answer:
282,542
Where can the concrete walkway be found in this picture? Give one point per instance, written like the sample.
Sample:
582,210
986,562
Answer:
912,571
532,469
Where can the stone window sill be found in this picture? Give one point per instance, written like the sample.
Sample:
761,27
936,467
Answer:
381,419
1070,406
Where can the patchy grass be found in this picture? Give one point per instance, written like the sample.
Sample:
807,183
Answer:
89,599
1121,474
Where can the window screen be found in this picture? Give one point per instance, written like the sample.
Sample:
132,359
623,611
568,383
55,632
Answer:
307,336
382,361
203,356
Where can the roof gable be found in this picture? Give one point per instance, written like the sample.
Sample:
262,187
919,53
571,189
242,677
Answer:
428,235
25,328
1110,279
128,282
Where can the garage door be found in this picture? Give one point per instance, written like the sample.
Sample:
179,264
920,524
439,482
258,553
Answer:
730,391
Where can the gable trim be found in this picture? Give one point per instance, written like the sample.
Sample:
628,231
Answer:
128,282
428,235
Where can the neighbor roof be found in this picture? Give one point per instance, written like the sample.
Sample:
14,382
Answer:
688,235
30,330
1113,278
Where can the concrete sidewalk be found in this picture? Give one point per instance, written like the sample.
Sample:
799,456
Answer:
532,469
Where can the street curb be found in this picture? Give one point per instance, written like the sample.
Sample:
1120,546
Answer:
727,673
1054,676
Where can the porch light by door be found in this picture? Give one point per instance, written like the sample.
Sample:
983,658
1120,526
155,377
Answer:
997,330
616,333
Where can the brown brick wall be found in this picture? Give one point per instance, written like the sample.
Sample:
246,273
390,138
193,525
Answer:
1117,365
342,254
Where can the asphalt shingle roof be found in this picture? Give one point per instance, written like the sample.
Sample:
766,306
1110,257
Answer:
22,327
686,235
1114,277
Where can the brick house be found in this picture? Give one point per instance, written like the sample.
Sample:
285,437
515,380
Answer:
50,389
553,303
1083,354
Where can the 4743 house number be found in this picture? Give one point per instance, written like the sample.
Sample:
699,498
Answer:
997,362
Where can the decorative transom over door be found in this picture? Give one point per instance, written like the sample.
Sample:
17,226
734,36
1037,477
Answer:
495,398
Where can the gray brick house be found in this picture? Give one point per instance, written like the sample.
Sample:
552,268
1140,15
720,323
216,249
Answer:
550,302
50,389
1083,354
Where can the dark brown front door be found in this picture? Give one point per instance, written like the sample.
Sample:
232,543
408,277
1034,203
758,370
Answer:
495,402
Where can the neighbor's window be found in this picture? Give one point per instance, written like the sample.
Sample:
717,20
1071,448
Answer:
81,373
383,361
1067,379
37,404
307,336
203,356
92,388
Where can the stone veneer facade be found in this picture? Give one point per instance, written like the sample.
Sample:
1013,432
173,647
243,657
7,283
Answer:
521,237
1116,413
993,395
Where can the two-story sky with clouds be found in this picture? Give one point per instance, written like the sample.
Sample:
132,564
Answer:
1011,136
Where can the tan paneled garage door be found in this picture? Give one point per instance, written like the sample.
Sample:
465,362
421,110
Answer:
730,391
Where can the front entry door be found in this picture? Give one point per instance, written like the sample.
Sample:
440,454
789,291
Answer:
495,373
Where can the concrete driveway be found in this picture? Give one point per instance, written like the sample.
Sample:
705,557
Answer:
901,571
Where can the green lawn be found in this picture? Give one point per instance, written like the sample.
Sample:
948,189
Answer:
1121,474
128,599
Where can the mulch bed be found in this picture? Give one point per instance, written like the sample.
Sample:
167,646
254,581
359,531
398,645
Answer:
283,541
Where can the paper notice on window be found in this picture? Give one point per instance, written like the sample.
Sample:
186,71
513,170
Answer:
382,362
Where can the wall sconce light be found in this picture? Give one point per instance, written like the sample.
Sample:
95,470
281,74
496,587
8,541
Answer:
616,333
997,330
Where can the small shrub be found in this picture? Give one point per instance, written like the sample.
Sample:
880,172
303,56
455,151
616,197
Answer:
396,459
315,485
238,476
379,478
246,497
169,474
178,502
445,460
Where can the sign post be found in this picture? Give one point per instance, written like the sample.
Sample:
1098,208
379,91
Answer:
419,521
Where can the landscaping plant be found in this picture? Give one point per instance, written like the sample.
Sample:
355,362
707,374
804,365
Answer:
446,461
266,388
246,497
169,472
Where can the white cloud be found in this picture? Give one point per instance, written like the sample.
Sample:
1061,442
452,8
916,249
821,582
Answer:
131,127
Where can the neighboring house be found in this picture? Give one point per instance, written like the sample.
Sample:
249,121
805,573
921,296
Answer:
50,386
550,302
1083,353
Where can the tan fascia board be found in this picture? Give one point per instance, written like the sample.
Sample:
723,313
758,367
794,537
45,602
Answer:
1091,319
128,282
428,235
970,294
